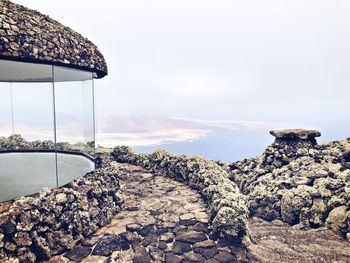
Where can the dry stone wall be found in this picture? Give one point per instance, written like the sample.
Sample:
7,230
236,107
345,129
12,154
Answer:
37,227
299,182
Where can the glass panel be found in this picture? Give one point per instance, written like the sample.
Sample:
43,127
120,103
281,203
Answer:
75,127
30,165
33,113
6,128
88,116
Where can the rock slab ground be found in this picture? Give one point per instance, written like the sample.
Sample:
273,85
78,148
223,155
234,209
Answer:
279,242
163,221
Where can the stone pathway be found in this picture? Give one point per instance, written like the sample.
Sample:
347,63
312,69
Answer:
163,221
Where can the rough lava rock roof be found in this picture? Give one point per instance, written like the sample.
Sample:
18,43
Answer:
29,36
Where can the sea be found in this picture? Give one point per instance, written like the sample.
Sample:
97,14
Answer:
231,146
225,146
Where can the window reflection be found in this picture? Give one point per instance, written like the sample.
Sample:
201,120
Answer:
47,132
6,123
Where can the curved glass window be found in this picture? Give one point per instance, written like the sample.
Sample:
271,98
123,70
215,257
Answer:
47,129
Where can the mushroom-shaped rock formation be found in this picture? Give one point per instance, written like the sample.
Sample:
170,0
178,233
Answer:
293,136
29,36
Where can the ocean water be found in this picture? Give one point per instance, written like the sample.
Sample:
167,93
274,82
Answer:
230,146
223,145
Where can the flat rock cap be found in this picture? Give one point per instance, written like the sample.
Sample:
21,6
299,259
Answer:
29,36
295,134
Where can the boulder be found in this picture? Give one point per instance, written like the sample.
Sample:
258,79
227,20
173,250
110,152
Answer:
336,219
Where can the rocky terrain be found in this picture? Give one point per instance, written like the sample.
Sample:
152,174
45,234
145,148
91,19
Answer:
166,221
228,211
299,182
36,227
163,221
301,187
291,204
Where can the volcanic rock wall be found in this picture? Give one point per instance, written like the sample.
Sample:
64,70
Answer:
229,212
299,182
34,228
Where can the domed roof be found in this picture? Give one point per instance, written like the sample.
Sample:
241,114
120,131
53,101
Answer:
29,36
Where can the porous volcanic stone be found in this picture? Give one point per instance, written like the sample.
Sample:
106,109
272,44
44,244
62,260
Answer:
78,253
29,36
205,244
295,134
206,252
225,257
109,244
171,258
141,254
190,236
181,248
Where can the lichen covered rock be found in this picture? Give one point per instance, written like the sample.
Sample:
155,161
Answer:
36,227
298,181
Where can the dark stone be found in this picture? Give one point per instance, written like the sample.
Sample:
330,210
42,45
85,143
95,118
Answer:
213,260
140,254
149,240
155,212
205,244
133,227
108,244
179,228
132,208
188,222
131,237
90,241
201,227
224,242
8,227
239,253
225,257
162,245
78,253
206,252
193,257
160,231
171,258
41,248
170,189
181,248
141,259
190,236
301,134
144,231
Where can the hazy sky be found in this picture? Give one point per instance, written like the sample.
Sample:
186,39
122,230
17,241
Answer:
281,61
